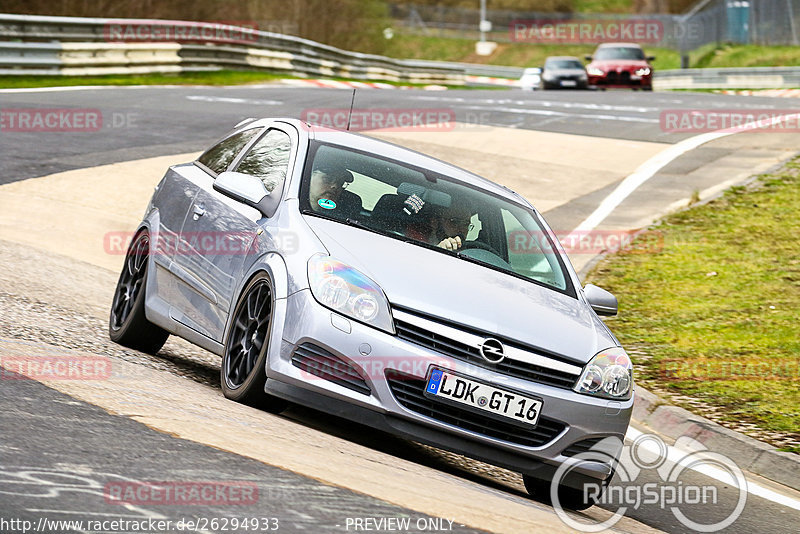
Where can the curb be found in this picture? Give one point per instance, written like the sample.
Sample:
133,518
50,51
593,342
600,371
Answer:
748,453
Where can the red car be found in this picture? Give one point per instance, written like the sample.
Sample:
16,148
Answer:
620,65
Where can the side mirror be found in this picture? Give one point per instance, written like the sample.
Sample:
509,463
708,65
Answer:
601,301
588,58
651,58
248,190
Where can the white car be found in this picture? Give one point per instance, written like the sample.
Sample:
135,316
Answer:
530,79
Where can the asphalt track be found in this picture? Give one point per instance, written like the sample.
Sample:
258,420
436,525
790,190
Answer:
148,122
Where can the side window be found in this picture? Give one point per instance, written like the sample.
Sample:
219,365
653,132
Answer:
220,156
268,159
529,251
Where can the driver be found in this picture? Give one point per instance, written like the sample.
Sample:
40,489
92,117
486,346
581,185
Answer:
327,188
454,225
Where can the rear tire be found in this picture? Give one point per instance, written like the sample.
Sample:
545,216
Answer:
243,370
568,498
127,323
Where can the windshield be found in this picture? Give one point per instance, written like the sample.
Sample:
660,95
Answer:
619,52
563,64
430,210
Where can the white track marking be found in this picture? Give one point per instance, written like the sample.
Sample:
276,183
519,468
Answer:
551,113
649,168
232,100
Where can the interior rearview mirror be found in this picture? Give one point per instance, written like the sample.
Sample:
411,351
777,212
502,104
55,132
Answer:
248,190
601,301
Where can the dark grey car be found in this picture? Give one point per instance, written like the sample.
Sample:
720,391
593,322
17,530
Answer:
369,281
564,72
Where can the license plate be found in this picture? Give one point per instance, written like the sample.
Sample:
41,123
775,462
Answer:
568,83
446,385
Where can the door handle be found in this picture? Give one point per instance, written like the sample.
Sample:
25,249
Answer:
199,210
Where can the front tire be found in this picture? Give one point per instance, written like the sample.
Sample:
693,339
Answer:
242,373
127,323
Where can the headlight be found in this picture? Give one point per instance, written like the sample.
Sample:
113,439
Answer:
608,375
547,76
345,290
644,71
594,71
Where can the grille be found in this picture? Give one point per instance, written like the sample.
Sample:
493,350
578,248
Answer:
409,392
319,362
611,76
460,351
581,446
625,77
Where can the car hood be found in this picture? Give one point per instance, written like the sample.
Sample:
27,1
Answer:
443,286
565,72
625,64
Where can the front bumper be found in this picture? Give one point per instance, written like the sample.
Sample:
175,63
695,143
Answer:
371,353
621,79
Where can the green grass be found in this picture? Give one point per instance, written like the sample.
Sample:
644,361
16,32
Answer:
511,54
222,77
745,56
712,317
603,6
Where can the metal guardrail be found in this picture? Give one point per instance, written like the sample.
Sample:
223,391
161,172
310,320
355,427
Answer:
728,78
82,46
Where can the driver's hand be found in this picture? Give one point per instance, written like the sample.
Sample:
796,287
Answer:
450,243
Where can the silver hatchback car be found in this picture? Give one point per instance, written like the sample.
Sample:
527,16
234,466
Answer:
375,283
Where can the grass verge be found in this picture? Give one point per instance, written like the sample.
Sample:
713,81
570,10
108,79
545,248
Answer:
221,77
711,318
511,54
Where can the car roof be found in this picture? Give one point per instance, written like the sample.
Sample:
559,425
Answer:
562,57
618,45
395,152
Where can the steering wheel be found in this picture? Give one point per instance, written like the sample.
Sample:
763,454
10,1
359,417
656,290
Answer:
481,246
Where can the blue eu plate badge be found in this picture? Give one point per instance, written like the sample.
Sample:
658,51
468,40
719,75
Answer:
434,381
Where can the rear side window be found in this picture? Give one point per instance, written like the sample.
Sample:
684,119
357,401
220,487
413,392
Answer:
221,155
268,159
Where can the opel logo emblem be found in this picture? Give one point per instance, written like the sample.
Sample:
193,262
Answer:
492,351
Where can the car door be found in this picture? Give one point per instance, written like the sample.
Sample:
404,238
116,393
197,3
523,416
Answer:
219,232
179,191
